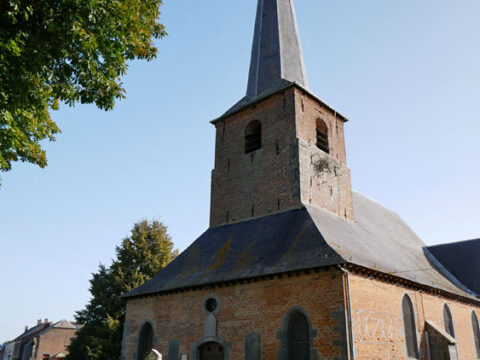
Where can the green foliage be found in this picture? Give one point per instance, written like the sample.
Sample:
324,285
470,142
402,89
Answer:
67,51
141,255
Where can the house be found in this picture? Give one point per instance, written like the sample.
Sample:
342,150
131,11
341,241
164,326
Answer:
8,352
45,341
23,343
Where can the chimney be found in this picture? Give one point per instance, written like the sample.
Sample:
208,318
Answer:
26,328
39,322
46,321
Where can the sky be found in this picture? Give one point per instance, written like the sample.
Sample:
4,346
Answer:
406,73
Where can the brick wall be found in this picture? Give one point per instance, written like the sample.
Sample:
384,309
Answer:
325,179
253,308
289,170
54,341
378,322
264,181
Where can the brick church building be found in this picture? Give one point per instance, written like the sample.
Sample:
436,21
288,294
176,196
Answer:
296,265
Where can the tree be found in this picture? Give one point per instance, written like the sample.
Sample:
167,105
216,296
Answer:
141,255
66,51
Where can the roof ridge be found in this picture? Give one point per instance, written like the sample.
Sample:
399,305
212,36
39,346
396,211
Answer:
455,242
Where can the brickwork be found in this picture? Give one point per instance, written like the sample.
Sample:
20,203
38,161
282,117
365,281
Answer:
264,181
54,341
325,180
244,309
308,110
289,170
378,323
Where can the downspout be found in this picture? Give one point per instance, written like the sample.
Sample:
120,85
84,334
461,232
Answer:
349,321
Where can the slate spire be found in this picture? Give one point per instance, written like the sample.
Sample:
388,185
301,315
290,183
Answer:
276,51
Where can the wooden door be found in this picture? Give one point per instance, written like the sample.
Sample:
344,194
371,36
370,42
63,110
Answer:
212,351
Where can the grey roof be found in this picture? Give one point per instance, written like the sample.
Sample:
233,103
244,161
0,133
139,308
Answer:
276,50
33,331
65,324
302,239
462,259
277,59
280,85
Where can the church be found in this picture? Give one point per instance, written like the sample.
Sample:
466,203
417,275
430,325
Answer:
295,265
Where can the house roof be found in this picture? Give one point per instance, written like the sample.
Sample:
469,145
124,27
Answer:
33,331
64,324
302,239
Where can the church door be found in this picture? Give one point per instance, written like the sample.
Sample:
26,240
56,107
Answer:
212,351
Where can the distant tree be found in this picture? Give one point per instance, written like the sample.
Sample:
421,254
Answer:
141,255
67,51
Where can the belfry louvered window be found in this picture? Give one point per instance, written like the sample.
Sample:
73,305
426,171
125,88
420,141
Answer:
447,318
145,341
322,136
476,333
410,327
253,136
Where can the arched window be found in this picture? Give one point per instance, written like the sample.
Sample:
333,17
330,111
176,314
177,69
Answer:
253,136
322,136
476,333
145,341
410,327
447,318
298,335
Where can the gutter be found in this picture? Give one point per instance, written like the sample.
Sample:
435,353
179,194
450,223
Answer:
348,310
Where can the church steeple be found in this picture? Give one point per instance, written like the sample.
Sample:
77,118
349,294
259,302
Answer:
280,147
276,51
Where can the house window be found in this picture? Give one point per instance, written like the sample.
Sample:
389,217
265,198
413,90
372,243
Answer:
298,337
322,136
253,136
476,333
145,341
447,318
410,327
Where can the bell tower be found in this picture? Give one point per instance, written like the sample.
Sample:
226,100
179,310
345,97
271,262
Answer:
280,147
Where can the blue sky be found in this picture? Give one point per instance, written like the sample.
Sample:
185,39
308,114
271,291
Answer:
406,73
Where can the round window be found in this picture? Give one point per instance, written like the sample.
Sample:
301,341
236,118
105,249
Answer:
211,305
